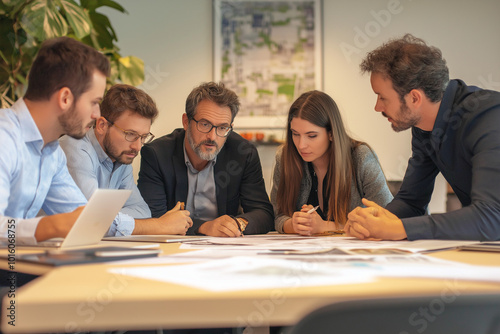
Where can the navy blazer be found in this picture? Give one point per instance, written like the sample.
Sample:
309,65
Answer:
238,177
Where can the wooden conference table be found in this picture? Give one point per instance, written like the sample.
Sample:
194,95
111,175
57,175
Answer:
89,298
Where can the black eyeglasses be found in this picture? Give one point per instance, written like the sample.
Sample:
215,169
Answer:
132,136
206,127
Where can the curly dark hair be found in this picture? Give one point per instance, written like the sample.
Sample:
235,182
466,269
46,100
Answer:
410,64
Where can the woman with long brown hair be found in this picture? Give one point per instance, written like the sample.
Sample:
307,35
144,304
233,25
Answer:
321,166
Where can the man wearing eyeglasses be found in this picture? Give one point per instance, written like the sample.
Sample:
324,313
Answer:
102,160
214,170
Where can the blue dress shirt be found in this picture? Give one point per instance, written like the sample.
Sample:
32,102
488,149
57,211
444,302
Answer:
91,168
201,199
32,176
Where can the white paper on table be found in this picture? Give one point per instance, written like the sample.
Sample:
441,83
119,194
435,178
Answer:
415,246
256,242
294,242
245,273
454,271
263,272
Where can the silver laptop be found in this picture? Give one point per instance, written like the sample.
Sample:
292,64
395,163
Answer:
94,220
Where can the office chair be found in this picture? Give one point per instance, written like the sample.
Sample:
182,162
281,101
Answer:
441,314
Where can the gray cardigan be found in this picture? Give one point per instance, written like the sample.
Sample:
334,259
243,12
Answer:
371,183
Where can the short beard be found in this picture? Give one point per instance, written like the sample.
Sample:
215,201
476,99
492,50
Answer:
71,124
197,148
113,155
406,119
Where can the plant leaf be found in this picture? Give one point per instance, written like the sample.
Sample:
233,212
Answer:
21,78
12,7
4,9
4,75
102,30
78,18
42,20
131,70
113,76
8,38
91,5
12,3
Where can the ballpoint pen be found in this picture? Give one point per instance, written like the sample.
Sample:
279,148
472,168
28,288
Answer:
240,227
313,209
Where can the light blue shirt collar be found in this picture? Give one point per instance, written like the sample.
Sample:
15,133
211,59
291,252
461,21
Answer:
29,130
104,159
201,199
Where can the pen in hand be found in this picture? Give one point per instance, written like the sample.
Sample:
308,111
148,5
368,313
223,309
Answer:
313,209
241,227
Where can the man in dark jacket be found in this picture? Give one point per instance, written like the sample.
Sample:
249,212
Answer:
455,132
213,170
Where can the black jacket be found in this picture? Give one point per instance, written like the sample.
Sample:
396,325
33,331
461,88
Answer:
464,146
238,177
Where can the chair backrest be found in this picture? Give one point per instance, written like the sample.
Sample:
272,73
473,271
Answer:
449,312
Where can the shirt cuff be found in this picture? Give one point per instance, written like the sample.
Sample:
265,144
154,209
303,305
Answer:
123,225
25,231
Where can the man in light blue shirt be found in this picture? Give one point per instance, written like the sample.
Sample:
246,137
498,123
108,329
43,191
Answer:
102,159
65,85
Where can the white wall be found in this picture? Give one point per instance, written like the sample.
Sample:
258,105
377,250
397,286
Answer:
174,38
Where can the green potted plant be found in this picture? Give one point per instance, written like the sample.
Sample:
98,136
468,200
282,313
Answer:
25,24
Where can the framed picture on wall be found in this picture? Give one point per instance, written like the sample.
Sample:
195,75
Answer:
268,52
